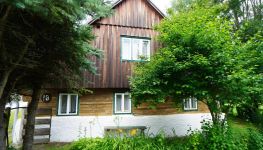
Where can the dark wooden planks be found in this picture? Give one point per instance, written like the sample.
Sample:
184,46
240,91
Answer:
44,112
42,131
133,18
42,121
41,141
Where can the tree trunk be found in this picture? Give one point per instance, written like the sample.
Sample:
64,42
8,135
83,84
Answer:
3,22
2,127
7,119
3,82
214,111
30,124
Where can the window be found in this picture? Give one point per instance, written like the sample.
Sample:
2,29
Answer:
135,48
122,103
190,104
68,104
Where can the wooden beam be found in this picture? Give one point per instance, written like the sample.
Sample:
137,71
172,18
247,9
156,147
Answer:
42,121
41,141
42,131
44,112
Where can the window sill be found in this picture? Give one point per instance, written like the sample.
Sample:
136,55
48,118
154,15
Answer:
67,114
116,114
191,109
124,60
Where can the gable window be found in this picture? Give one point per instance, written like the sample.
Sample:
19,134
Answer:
68,104
135,48
122,103
190,103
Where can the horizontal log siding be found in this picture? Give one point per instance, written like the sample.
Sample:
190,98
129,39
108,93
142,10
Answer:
100,103
167,108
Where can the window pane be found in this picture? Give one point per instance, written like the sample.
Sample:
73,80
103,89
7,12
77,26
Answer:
135,49
73,104
186,103
127,103
126,48
145,46
194,103
118,103
63,105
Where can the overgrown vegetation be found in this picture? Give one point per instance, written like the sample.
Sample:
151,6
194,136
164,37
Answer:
43,43
237,135
206,56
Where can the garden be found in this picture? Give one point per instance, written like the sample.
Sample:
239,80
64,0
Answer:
238,135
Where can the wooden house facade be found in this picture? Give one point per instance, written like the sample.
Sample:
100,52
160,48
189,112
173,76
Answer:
126,37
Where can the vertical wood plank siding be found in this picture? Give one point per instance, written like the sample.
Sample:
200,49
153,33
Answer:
132,18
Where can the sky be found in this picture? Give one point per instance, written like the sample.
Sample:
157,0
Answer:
162,4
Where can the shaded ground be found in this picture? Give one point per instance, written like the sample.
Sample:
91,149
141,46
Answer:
51,146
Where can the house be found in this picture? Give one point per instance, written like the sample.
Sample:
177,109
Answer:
124,37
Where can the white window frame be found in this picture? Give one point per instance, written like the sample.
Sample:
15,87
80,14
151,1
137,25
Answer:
68,104
122,102
190,99
132,48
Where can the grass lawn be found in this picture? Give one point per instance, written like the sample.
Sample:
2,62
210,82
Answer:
51,146
240,127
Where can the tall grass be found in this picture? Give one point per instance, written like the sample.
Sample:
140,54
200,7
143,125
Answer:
211,138
130,143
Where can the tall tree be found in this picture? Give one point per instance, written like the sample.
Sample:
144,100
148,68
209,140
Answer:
201,58
45,42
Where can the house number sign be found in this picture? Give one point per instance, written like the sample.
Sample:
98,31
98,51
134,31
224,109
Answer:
46,98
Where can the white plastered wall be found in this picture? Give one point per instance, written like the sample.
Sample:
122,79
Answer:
71,128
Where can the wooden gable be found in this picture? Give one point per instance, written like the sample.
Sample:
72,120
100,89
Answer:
133,13
131,18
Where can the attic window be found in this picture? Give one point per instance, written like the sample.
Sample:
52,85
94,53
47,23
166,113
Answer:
135,48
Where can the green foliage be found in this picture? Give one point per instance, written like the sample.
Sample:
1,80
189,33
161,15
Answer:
210,138
44,44
255,140
135,143
214,137
49,38
196,60
204,57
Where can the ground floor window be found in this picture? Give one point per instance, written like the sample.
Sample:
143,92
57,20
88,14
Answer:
122,103
68,104
190,103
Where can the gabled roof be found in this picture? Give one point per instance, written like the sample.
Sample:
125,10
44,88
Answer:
117,3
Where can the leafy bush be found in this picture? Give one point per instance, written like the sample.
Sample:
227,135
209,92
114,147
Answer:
212,137
215,137
129,143
255,140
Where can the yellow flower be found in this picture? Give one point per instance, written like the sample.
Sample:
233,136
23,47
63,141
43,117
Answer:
120,130
133,132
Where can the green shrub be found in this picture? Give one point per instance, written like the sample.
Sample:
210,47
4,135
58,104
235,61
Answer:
212,137
215,137
129,143
255,140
